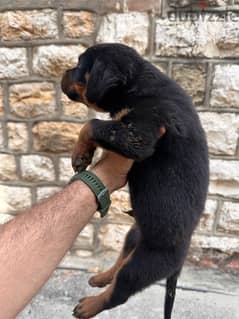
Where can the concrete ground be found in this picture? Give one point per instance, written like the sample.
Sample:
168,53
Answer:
201,294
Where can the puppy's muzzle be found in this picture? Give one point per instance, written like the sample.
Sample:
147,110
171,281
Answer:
71,87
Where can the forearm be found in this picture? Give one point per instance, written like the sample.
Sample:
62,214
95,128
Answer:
33,244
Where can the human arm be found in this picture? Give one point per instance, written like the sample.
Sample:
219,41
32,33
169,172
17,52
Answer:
34,242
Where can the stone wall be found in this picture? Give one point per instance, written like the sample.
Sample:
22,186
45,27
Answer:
39,125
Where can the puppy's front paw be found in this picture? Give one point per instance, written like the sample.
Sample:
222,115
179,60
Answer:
80,162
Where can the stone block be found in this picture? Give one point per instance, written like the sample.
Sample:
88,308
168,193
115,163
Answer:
78,24
1,102
1,138
112,236
30,100
37,168
192,78
229,218
227,245
13,63
120,203
224,178
55,136
181,34
224,188
127,28
54,60
223,170
8,169
85,238
46,191
14,199
28,25
17,137
208,216
65,169
74,109
225,85
222,131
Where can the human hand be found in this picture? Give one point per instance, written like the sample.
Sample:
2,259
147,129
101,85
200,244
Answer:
112,170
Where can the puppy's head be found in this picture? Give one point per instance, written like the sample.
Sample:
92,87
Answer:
102,76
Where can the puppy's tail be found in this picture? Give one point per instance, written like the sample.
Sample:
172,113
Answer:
171,285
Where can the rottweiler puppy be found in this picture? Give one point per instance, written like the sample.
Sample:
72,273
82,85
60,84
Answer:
154,123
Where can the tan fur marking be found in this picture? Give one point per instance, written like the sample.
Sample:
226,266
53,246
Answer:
91,306
106,277
118,116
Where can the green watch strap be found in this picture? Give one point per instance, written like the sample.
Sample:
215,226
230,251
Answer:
97,187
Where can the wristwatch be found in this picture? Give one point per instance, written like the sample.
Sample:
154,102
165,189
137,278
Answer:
98,188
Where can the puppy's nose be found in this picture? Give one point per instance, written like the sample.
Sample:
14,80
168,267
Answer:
73,95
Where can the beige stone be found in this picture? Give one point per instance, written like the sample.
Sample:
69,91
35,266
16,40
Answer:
223,244
192,78
1,138
225,86
182,36
32,99
4,218
14,198
54,60
45,192
222,132
28,25
229,218
174,38
208,216
120,203
1,102
112,236
224,188
7,167
85,239
127,28
17,137
13,63
37,168
78,24
224,178
55,136
65,168
224,170
74,109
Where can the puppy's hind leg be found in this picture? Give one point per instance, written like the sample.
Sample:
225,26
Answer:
171,285
105,278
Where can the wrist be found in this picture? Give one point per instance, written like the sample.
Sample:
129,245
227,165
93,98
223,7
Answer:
98,188
109,184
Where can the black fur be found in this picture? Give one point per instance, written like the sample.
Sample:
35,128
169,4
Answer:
169,179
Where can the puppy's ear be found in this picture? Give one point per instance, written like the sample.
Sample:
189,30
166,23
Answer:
103,77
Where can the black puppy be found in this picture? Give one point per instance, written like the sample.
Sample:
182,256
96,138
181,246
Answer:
154,123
